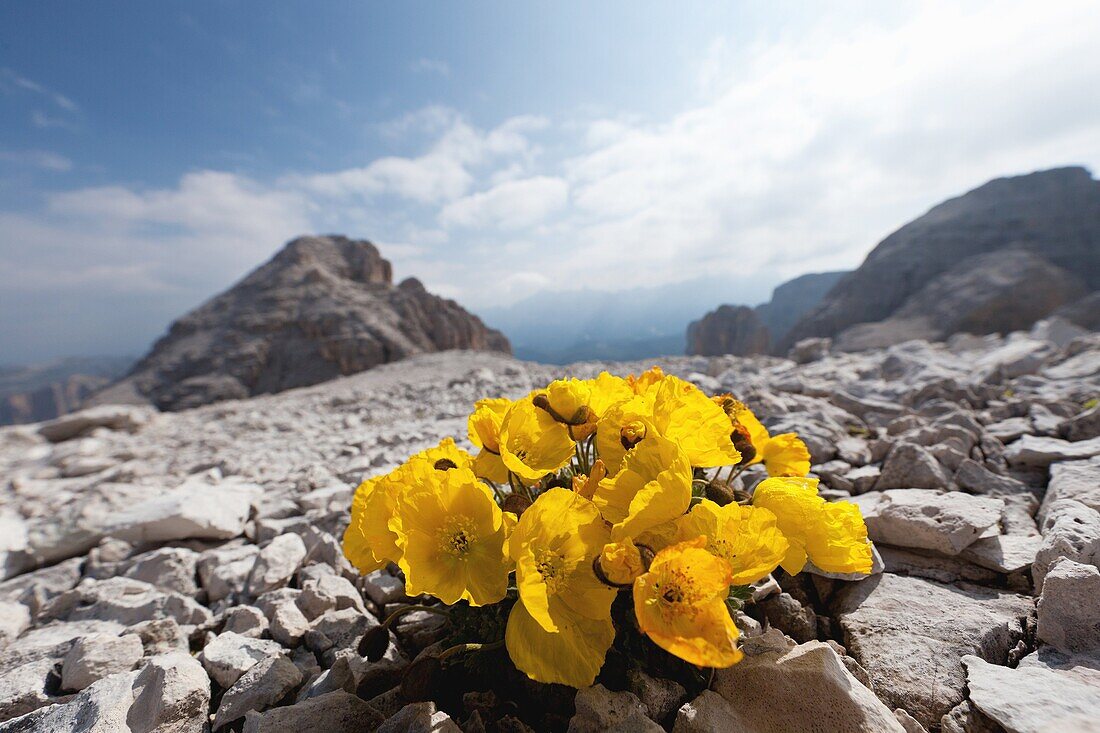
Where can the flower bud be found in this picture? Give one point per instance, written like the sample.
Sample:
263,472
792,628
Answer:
515,503
374,643
719,493
619,564
632,433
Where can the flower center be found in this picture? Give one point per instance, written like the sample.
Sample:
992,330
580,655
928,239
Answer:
550,566
457,535
677,594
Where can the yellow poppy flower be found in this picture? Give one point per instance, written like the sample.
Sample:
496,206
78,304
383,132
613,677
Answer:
641,383
445,456
653,487
451,534
607,391
573,656
786,455
561,628
833,535
621,562
682,413
747,537
483,429
622,427
579,404
569,399
680,605
532,442
368,542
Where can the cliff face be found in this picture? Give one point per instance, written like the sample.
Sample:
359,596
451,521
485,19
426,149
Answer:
1053,216
728,330
321,308
743,331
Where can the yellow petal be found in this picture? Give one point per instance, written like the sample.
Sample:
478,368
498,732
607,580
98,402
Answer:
653,487
483,425
607,390
833,534
609,430
451,533
646,380
786,455
572,656
489,466
569,398
683,414
621,562
747,537
446,454
532,443
680,605
553,545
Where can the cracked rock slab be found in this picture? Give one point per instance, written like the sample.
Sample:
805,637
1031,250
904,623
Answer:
942,521
910,634
1031,699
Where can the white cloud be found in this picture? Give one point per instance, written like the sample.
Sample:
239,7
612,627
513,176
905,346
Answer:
444,173
801,151
430,66
11,79
509,205
43,159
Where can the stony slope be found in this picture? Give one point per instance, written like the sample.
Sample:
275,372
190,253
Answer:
1053,215
169,571
321,308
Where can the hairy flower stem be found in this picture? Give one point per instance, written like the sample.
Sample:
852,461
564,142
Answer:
467,648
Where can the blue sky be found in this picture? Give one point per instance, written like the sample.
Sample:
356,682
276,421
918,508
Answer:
152,153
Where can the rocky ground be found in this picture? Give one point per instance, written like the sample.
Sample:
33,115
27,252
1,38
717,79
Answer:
182,571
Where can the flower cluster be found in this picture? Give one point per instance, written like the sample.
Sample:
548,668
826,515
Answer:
591,488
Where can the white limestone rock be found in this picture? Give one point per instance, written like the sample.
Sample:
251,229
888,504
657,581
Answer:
126,602
229,655
942,521
95,656
336,712
1070,529
266,683
171,695
276,564
898,629
910,466
779,687
1069,608
599,709
1039,452
1030,699
419,717
195,509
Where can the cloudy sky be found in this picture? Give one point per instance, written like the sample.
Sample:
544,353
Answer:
152,153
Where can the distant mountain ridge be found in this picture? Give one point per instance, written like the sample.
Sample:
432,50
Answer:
739,329
42,391
322,307
560,327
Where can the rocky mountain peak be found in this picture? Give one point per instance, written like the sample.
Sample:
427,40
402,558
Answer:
334,255
1051,215
322,307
